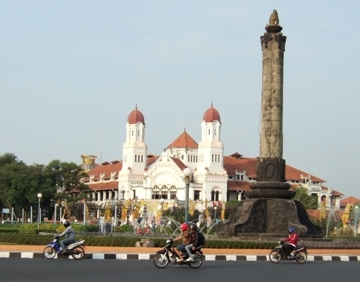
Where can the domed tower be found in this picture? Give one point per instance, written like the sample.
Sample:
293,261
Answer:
135,148
211,149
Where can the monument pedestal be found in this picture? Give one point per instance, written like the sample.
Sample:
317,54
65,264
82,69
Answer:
268,217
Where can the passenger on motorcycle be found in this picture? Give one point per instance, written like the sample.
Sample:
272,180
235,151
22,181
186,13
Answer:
194,233
291,241
186,239
69,234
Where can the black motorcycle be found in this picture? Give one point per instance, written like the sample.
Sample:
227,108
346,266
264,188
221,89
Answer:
167,254
282,253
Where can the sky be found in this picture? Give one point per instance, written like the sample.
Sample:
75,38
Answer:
72,71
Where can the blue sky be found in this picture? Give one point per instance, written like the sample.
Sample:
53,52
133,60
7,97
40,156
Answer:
72,71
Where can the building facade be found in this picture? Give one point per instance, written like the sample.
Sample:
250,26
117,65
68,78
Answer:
216,178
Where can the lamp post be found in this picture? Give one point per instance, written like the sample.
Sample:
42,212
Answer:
60,211
84,221
215,209
356,221
114,204
55,213
187,172
39,210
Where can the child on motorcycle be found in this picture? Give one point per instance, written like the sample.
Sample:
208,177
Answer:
194,233
185,236
291,241
70,237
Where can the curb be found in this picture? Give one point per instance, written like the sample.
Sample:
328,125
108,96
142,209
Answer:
104,256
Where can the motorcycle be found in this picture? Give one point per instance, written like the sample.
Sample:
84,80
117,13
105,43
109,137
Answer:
281,253
76,250
167,254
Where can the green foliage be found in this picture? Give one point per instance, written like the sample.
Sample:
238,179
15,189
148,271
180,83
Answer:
86,228
309,201
126,228
20,185
128,241
343,232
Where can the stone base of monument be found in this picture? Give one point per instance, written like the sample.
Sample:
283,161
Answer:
268,218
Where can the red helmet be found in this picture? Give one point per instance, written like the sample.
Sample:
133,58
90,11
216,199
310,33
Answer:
184,227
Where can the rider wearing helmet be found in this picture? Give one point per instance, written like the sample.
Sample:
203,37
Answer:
291,241
185,236
69,234
194,233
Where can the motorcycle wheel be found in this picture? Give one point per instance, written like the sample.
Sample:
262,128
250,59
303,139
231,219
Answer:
49,252
274,256
301,257
78,252
197,262
161,260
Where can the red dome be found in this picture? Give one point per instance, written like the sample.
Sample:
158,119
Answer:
211,114
136,116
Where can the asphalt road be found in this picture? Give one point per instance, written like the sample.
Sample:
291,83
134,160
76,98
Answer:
13,270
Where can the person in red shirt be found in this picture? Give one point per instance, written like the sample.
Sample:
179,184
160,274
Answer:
291,241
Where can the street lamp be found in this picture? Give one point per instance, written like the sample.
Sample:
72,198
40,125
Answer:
114,204
215,208
187,172
356,221
39,210
55,213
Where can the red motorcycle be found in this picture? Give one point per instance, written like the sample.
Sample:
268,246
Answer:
281,253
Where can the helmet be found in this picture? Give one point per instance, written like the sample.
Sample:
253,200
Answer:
193,227
291,230
66,224
184,226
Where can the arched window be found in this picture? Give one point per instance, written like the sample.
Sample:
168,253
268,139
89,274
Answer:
172,192
215,195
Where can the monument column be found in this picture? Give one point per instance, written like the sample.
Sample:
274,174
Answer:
271,165
268,210
273,48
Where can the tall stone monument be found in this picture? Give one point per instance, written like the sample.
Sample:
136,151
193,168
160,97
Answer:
268,210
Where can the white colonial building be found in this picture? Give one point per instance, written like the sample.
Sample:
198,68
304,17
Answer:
216,178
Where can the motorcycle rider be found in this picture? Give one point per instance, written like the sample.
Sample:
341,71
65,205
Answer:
291,242
194,233
185,236
69,234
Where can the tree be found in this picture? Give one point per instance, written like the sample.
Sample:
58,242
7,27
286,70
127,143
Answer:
309,201
20,184
66,178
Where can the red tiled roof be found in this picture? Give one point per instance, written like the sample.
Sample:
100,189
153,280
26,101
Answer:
179,163
232,164
235,163
295,174
108,185
150,160
236,155
352,200
184,141
106,168
238,185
